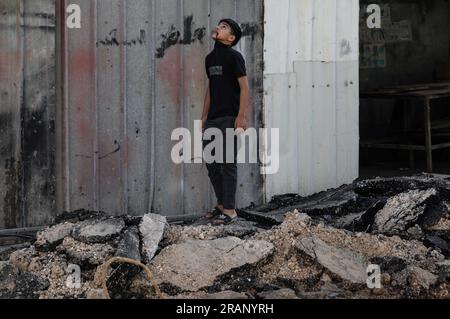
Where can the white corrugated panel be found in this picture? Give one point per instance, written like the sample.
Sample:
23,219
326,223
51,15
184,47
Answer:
311,93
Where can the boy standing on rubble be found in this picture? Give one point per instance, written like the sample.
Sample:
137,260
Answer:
226,106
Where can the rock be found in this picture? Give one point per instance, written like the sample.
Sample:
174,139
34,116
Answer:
98,231
302,217
444,270
360,222
415,232
7,277
21,258
325,278
152,231
346,264
176,234
385,279
389,264
28,285
393,186
284,293
129,245
437,242
121,274
421,277
433,214
240,229
51,237
196,264
404,210
79,216
87,255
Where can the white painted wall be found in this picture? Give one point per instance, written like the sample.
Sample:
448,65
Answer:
311,84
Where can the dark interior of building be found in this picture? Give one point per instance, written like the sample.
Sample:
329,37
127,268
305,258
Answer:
404,64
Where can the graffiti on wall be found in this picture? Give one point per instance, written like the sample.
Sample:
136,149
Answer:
112,39
173,36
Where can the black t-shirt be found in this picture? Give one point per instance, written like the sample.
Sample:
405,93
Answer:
224,66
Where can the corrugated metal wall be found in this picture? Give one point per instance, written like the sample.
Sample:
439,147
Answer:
311,83
27,112
133,73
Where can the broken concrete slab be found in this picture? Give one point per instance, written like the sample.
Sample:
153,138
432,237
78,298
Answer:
98,231
403,211
151,230
444,270
129,245
51,237
392,186
344,263
196,264
86,255
334,202
177,234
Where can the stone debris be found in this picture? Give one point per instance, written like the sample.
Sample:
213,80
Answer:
196,264
151,230
404,210
317,247
345,263
53,236
86,254
98,231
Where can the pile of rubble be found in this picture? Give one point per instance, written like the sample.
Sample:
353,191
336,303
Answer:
293,247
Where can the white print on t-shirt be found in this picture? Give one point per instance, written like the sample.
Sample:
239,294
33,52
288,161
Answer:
215,70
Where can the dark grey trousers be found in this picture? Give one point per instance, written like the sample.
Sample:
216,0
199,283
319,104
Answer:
223,176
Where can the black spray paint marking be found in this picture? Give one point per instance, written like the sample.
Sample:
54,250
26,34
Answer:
172,37
250,29
111,39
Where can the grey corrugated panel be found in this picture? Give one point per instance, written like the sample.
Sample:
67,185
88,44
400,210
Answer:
318,42
112,107
11,59
139,107
27,86
250,181
140,93
80,112
195,183
168,196
38,113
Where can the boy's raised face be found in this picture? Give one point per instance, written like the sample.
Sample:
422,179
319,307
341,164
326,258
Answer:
223,33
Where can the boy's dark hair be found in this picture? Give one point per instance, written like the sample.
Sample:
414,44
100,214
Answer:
235,30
